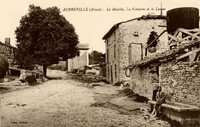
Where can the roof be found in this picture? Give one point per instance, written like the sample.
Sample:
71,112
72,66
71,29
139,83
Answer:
144,17
7,45
83,46
164,55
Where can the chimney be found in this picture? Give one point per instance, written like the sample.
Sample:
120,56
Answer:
7,41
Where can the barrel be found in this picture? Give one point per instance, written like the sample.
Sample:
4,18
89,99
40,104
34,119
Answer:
185,17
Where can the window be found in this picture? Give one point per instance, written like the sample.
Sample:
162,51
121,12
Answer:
115,71
114,35
111,73
154,73
106,42
107,56
114,51
136,33
151,42
108,73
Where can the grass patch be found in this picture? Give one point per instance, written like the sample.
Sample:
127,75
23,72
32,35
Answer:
134,96
4,90
118,108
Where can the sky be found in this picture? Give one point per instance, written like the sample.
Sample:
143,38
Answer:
90,25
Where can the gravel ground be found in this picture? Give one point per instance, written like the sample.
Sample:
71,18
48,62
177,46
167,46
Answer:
69,103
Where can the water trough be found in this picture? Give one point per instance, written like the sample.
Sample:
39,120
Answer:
187,115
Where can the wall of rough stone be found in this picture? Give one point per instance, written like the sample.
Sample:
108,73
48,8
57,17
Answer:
144,81
112,59
181,81
140,80
143,28
8,51
123,36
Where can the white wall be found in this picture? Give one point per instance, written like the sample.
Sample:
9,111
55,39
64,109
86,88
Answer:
79,62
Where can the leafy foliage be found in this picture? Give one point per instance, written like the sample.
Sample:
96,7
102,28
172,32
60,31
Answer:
4,65
44,37
96,57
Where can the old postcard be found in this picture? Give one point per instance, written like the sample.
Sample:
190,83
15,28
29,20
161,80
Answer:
99,63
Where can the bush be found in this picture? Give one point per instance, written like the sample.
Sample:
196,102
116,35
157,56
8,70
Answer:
4,65
31,80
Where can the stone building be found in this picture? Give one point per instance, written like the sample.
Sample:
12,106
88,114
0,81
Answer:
176,69
125,42
8,51
81,60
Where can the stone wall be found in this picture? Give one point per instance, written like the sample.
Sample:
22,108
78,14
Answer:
181,81
144,81
8,51
138,31
112,57
140,80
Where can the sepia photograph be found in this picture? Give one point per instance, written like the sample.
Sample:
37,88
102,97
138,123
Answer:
99,63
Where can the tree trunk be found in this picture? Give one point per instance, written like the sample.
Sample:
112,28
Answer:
44,70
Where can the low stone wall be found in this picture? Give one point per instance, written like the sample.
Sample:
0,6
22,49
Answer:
181,81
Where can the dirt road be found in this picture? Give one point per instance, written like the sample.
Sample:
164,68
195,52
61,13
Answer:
68,103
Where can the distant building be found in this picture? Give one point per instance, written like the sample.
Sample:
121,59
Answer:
126,42
81,60
7,50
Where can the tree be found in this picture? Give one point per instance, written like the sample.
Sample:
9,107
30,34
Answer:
4,65
44,37
96,57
